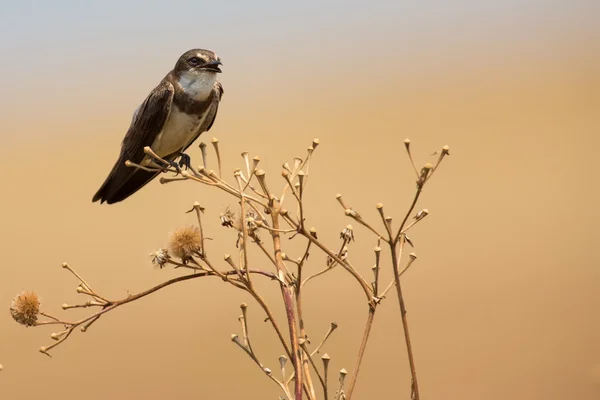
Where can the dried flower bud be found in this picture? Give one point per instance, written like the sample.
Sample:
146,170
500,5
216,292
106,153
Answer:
282,361
25,308
160,257
343,374
424,173
421,214
267,371
185,242
347,234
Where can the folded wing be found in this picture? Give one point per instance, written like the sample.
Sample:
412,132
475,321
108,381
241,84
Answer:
146,124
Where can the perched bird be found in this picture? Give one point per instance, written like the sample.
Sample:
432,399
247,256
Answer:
175,113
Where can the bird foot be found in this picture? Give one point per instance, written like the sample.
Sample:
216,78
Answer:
184,161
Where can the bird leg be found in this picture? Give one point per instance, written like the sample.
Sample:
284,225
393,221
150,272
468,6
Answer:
174,164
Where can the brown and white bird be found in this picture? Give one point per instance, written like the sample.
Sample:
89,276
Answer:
175,113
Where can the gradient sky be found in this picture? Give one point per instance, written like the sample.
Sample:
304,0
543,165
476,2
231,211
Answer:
275,43
503,299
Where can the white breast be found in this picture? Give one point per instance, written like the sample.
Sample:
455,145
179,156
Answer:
179,130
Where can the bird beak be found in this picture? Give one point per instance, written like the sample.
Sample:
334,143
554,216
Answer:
212,66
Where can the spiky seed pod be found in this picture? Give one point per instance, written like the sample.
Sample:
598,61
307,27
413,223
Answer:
25,308
186,241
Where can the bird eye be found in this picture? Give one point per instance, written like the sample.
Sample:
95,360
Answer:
195,61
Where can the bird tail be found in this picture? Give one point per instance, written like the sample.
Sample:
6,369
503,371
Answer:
122,182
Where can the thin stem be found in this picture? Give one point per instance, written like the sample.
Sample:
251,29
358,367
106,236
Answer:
303,331
399,275
271,319
288,300
411,360
328,268
368,291
361,350
312,362
410,210
199,209
332,328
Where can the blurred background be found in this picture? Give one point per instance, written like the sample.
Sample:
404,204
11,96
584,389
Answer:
503,299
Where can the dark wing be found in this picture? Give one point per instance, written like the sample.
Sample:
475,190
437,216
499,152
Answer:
212,112
146,124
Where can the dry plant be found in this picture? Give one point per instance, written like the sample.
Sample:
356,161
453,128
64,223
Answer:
261,211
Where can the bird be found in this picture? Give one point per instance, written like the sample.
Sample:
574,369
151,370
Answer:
180,108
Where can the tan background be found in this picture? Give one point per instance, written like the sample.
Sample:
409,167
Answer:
503,300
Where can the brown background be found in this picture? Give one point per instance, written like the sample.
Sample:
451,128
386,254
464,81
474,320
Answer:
503,299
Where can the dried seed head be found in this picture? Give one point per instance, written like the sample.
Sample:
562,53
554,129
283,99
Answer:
252,220
227,217
160,257
185,242
25,308
267,371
